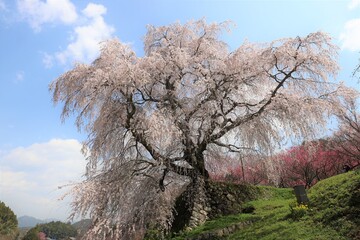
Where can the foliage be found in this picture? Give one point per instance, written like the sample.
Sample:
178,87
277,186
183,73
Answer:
55,230
297,211
154,234
32,234
155,118
8,221
58,230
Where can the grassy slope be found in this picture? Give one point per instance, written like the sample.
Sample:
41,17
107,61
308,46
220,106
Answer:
336,203
334,214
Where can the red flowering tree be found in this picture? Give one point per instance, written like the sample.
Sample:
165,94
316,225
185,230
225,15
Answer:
308,163
249,169
41,236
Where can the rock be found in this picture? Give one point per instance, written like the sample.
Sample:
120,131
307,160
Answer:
203,212
230,197
219,232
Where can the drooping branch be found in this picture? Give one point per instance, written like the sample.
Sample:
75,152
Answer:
247,118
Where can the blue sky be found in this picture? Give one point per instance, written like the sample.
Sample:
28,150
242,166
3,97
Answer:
41,39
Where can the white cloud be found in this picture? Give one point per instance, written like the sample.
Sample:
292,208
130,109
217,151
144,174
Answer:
353,4
94,10
350,37
89,28
87,37
48,60
30,177
38,12
13,180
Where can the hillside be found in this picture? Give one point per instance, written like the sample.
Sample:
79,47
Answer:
332,214
27,221
336,203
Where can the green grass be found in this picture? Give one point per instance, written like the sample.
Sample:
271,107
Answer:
276,223
336,203
212,225
333,214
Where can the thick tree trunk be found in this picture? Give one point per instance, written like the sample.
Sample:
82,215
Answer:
192,207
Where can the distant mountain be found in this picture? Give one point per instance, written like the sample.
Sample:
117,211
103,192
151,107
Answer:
28,221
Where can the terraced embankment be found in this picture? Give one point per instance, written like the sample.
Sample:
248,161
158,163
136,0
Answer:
333,213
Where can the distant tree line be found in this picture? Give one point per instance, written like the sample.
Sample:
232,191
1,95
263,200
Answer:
54,230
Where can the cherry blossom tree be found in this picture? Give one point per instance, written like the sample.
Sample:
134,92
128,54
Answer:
152,119
347,138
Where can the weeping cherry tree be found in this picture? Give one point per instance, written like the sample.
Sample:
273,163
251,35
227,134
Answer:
152,120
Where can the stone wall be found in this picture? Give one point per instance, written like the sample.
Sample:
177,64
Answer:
191,208
210,200
228,198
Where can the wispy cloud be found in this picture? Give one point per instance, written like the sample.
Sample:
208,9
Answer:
48,60
86,37
38,12
350,37
30,177
19,77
